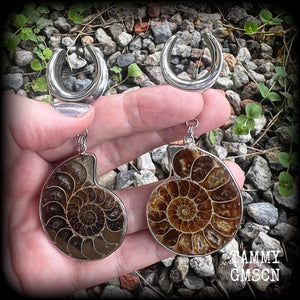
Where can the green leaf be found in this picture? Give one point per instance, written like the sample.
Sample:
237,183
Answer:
285,186
10,41
263,89
240,130
241,119
250,124
42,23
19,20
273,96
280,71
25,34
43,9
265,15
134,70
36,65
47,53
253,110
284,159
275,21
251,27
116,69
74,16
40,85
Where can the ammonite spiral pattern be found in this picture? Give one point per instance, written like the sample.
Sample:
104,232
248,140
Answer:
83,219
198,211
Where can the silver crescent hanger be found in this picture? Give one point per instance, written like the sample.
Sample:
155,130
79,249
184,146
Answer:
74,102
205,81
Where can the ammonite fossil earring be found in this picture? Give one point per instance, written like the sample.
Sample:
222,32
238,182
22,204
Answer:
82,219
197,210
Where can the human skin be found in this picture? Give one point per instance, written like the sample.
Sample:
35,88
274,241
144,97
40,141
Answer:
36,138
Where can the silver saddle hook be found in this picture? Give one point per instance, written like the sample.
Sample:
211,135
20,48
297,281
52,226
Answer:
205,81
74,102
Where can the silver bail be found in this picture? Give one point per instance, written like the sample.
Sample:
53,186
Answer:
202,83
76,102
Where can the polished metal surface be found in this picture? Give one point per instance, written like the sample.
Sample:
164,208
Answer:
202,83
89,94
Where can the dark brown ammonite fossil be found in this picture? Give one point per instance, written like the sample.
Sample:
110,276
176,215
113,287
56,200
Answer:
198,210
83,219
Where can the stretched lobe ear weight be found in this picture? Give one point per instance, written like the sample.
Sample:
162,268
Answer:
83,219
202,83
76,103
197,210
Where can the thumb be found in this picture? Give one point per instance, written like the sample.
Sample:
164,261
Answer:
38,126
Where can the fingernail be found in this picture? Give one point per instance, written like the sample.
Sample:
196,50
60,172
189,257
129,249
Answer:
72,109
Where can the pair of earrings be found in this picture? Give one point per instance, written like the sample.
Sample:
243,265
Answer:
196,211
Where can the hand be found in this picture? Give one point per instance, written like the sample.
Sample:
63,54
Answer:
121,127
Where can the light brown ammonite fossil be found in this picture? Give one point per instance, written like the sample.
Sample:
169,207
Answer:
198,210
82,219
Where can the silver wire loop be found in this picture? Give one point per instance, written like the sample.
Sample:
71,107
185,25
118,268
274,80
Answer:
191,125
205,81
81,142
89,94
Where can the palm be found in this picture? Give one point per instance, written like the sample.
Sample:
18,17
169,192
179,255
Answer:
122,128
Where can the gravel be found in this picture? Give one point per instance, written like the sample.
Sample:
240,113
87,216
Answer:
270,220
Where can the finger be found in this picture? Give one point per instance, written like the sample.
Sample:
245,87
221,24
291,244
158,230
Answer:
146,110
38,126
113,153
135,199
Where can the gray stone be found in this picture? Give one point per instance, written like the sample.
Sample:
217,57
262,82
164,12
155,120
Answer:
168,261
291,202
68,82
23,57
161,31
144,162
239,76
226,264
193,282
54,42
243,55
114,292
259,125
135,44
81,84
155,75
180,269
124,39
164,282
251,230
76,62
62,25
223,83
144,177
284,231
125,60
107,45
160,156
236,14
203,266
266,244
14,81
67,41
125,179
260,174
148,293
153,59
263,213
234,99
